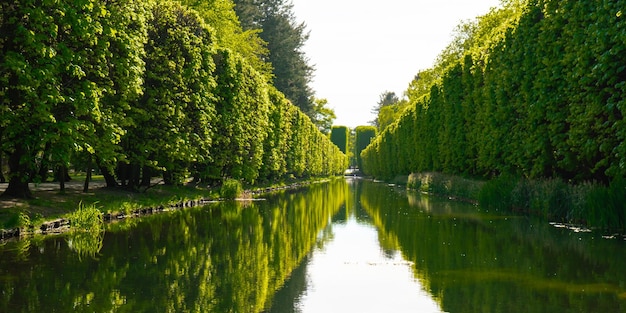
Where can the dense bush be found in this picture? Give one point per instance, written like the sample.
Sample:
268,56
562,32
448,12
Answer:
231,189
363,137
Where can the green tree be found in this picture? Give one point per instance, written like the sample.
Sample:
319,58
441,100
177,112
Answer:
242,107
57,74
220,15
387,98
285,38
322,116
171,122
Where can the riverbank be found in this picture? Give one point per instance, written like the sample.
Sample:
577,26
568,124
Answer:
589,204
49,210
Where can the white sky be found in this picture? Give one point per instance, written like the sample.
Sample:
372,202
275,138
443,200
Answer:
361,49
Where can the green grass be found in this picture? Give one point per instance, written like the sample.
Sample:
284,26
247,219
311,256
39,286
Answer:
50,204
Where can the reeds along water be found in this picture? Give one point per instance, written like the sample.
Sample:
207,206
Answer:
590,203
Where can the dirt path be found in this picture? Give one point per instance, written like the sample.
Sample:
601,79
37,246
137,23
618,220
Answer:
71,185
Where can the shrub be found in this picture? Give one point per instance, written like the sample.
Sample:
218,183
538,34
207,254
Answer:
231,189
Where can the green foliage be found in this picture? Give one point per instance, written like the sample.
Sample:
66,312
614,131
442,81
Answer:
87,230
285,38
363,137
87,218
534,89
177,95
61,70
144,89
231,189
221,16
322,116
242,108
387,109
339,136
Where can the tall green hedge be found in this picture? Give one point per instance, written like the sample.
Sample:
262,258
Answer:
142,89
339,136
538,90
363,137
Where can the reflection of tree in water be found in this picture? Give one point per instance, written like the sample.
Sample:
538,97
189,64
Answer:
488,262
219,258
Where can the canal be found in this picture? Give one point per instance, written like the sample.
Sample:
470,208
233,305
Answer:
341,246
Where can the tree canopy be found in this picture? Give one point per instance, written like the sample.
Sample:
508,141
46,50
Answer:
146,89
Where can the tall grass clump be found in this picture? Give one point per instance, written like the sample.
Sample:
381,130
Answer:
589,203
605,206
593,204
552,199
446,185
231,189
497,194
414,181
86,218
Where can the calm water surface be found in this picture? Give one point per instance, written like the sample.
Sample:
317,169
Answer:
344,246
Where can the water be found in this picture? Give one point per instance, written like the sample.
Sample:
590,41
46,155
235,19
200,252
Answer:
345,246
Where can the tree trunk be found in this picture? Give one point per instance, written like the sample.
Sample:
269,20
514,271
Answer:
45,164
108,177
88,176
2,179
62,174
146,176
134,177
18,181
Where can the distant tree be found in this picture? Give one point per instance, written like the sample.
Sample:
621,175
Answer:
339,136
228,32
386,98
285,38
364,135
390,113
322,116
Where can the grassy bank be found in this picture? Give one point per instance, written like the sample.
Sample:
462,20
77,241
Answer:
591,204
49,204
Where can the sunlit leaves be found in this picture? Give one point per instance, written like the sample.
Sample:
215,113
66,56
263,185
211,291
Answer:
56,74
134,84
533,89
